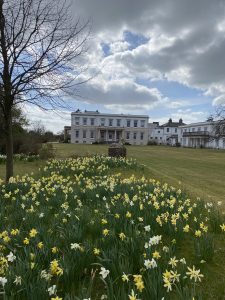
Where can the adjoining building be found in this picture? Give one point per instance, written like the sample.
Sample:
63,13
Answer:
90,127
166,134
201,135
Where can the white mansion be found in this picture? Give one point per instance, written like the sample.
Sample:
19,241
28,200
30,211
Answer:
90,127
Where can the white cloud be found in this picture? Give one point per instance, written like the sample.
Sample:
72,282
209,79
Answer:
118,46
185,44
52,120
190,116
219,100
186,38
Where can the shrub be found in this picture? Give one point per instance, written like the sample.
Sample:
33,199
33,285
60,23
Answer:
152,143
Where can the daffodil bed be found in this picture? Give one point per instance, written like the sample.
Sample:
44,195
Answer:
82,231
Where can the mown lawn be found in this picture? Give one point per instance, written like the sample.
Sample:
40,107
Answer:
22,168
200,172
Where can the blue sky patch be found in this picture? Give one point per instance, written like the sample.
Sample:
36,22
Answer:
105,49
134,39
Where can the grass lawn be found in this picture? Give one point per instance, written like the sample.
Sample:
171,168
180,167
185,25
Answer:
200,172
22,168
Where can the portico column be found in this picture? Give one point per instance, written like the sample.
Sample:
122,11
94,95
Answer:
98,135
123,134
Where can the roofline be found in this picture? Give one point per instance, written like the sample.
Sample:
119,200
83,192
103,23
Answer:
108,115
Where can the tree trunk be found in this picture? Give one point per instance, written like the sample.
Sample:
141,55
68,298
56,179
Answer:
9,146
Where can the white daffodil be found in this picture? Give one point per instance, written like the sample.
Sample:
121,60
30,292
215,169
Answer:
11,257
18,280
52,290
104,272
74,246
147,228
3,281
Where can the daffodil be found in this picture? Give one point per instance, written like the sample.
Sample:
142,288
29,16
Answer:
96,251
105,232
125,277
194,274
222,227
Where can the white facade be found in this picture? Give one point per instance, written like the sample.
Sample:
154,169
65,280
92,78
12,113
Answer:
94,127
200,135
90,127
166,134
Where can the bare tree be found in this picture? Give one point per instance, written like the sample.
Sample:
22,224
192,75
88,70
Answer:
41,44
219,123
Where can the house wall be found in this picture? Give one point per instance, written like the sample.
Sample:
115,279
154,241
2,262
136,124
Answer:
162,135
204,136
89,127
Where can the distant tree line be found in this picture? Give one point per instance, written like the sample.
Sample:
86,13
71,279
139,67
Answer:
26,139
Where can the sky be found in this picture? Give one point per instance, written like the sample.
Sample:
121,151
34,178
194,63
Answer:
162,58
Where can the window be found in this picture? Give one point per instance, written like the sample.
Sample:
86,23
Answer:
128,123
142,135
84,134
110,135
102,121
135,135
128,135
185,130
160,138
142,123
135,123
199,128
158,131
84,121
77,121
175,130
110,122
77,133
167,130
92,121
118,121
205,128
92,134
193,129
